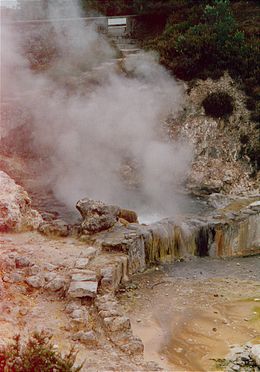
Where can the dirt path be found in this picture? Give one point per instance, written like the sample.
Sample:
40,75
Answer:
192,312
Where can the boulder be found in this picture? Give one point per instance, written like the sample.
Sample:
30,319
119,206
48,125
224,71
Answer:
97,216
16,213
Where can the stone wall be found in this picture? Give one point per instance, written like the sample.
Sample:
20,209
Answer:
223,234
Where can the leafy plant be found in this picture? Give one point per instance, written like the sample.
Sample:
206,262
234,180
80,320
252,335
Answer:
36,355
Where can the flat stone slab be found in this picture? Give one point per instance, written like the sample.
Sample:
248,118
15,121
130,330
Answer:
83,276
80,289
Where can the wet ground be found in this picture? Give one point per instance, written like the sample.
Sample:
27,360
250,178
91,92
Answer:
193,312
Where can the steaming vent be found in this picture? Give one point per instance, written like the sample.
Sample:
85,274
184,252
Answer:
90,121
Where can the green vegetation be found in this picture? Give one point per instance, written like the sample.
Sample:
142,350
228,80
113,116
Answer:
220,364
37,355
207,42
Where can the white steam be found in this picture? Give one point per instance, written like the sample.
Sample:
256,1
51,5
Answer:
97,129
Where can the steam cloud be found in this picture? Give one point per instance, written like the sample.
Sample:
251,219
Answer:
97,129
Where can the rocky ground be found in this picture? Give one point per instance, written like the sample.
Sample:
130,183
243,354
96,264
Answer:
186,314
36,274
189,315
218,164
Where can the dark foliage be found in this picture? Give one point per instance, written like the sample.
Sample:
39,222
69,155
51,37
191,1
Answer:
218,105
37,355
254,154
206,40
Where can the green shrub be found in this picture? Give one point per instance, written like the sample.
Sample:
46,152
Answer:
218,105
37,355
206,40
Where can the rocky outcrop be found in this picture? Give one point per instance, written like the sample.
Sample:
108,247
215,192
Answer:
231,231
97,216
219,162
16,213
242,358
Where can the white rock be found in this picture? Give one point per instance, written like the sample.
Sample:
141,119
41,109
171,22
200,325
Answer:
35,281
56,284
82,276
83,289
255,354
255,204
16,213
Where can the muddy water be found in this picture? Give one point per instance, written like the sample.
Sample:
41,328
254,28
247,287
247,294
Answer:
188,341
193,312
